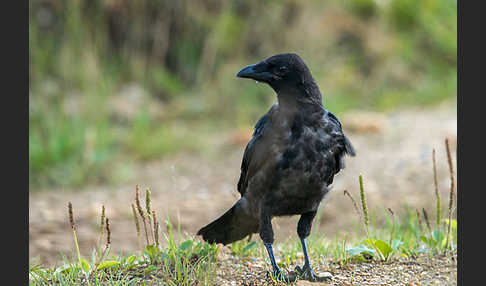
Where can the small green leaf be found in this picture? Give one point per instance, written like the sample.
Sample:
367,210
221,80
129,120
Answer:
66,268
185,245
384,248
360,249
84,265
130,260
107,264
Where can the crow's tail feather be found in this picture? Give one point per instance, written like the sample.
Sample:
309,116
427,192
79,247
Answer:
233,225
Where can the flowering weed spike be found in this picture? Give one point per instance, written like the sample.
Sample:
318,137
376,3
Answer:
137,201
363,203
102,222
73,228
141,213
108,232
148,202
156,229
71,216
148,209
137,226
451,194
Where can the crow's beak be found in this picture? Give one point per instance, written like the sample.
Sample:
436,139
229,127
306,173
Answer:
256,72
248,72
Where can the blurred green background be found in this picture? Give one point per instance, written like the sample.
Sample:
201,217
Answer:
116,82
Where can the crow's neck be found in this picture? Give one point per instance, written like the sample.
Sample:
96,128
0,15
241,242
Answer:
300,97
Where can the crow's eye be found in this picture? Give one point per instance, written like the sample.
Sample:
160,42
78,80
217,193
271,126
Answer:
281,70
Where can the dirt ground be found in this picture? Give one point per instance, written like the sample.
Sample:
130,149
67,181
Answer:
394,153
422,270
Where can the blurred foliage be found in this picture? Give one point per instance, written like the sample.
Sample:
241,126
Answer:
115,81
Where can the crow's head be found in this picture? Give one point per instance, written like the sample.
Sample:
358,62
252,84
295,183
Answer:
279,71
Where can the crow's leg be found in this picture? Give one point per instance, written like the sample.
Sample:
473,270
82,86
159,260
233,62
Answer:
303,230
266,234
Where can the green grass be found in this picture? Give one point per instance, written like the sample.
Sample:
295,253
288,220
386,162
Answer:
182,264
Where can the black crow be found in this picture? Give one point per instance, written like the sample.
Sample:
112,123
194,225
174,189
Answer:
295,151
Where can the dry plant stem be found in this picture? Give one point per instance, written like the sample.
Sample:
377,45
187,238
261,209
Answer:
157,226
437,194
108,240
420,224
426,217
150,228
145,229
355,205
137,226
141,213
393,224
451,195
73,227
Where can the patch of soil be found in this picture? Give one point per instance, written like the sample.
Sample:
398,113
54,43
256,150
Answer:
422,270
394,157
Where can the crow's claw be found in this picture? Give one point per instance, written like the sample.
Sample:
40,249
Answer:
306,273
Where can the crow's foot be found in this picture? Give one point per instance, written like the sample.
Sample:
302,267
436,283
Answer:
306,273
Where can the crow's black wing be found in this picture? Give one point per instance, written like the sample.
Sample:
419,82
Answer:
349,149
339,144
261,125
